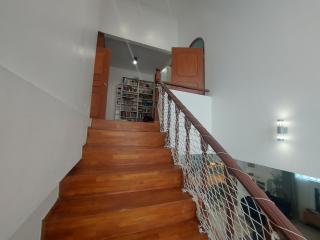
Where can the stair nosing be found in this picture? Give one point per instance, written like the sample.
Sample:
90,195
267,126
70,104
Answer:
128,170
125,208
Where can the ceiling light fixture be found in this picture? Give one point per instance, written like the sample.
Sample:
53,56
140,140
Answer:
135,61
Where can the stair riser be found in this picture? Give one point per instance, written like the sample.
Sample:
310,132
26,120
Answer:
124,222
125,126
181,231
115,183
124,157
118,138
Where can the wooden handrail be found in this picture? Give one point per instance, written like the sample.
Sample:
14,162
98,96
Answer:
186,87
279,220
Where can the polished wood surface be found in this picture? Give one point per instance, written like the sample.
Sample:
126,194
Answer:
125,138
125,125
113,180
101,40
123,189
124,156
100,83
186,231
183,88
188,68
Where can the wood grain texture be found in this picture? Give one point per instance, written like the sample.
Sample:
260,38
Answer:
125,187
119,181
100,83
123,222
115,125
182,231
125,138
183,88
124,156
188,68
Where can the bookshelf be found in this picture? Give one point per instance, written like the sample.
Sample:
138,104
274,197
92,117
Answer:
134,99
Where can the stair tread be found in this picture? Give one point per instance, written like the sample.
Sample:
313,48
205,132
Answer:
123,132
101,203
181,231
124,188
125,148
125,138
113,156
125,125
122,169
84,181
121,223
106,146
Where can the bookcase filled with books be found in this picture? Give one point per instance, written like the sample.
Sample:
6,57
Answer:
135,99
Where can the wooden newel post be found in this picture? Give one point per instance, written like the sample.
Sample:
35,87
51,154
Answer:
157,80
157,76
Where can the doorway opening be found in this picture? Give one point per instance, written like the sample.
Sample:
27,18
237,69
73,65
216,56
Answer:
130,88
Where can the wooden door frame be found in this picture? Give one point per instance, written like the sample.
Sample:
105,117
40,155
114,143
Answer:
100,48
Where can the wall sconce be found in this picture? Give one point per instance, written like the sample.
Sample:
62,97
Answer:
282,130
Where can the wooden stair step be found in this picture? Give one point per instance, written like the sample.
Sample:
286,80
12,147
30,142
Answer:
111,156
120,179
123,138
181,231
118,125
124,188
117,215
98,203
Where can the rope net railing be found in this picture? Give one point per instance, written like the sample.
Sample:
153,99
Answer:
225,209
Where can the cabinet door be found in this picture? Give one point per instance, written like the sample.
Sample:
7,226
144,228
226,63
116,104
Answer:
188,67
100,83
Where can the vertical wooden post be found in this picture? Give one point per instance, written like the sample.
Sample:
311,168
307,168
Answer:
187,126
169,100
162,110
157,80
176,139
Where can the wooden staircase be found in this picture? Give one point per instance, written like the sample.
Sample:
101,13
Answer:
124,188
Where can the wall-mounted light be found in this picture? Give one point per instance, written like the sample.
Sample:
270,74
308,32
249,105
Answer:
135,61
282,130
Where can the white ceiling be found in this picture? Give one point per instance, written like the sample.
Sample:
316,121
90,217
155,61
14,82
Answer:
149,58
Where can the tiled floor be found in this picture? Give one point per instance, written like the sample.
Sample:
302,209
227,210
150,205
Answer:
309,232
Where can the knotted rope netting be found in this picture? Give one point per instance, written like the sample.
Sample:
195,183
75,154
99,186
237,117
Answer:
225,209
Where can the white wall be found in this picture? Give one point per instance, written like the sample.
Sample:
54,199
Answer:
47,50
115,78
262,64
166,74
198,105
138,21
31,228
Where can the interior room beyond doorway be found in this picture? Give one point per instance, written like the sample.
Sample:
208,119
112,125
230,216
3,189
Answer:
131,78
